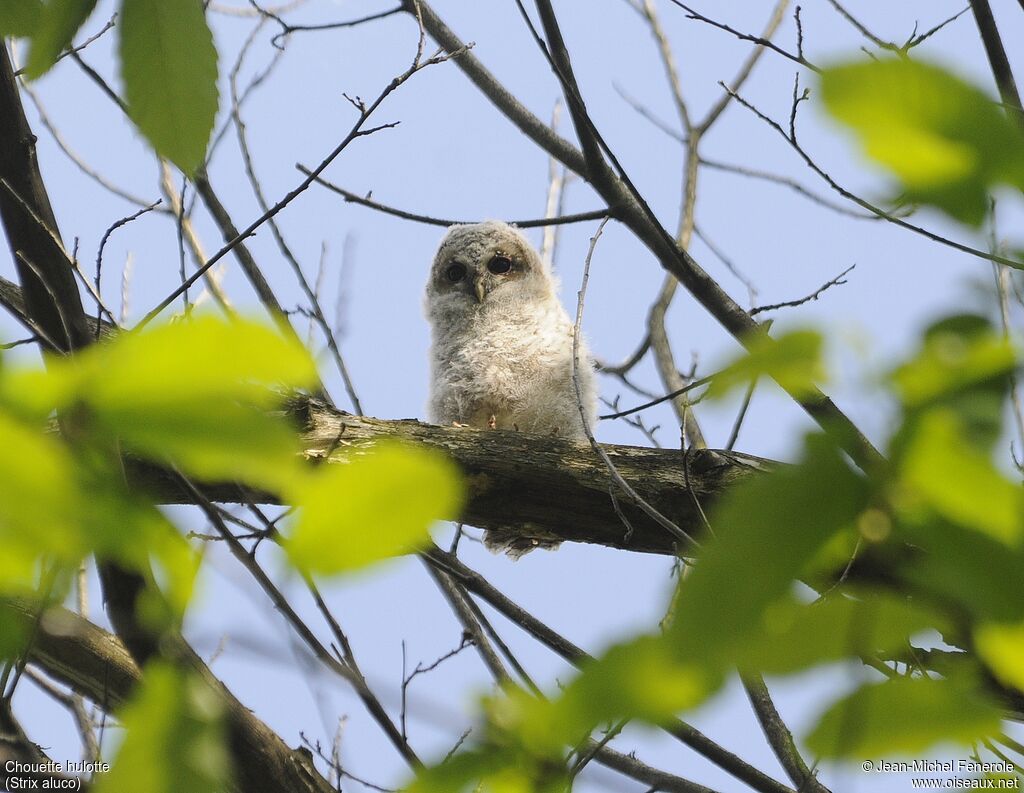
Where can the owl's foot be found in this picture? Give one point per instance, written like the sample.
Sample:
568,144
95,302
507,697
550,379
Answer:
492,422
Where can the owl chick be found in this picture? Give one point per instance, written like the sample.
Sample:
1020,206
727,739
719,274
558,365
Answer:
501,353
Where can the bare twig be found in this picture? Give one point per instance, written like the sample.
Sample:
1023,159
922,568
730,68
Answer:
980,254
747,37
358,130
365,201
997,59
839,280
103,243
287,29
613,472
779,737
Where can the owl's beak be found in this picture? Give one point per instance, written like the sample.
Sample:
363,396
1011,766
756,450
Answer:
479,290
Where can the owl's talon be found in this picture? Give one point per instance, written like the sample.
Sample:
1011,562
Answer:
492,422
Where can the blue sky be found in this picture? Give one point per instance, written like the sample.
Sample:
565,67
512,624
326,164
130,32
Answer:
454,155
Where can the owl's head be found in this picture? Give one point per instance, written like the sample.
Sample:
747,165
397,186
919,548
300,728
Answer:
481,265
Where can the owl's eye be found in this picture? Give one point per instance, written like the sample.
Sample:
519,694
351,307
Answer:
455,272
499,265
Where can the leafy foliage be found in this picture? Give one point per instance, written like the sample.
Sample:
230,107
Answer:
376,505
903,716
817,563
169,66
175,737
201,395
793,360
168,60
946,141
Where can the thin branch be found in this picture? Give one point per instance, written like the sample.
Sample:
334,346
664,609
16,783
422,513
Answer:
980,254
350,197
613,472
730,265
997,59
103,244
71,154
74,50
287,29
355,132
691,14
779,737
664,398
619,191
754,173
550,638
344,670
839,280
746,69
631,361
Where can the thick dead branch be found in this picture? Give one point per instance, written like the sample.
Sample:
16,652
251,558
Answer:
43,265
96,664
553,488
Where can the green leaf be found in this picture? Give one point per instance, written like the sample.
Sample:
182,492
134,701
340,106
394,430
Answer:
195,393
19,17
767,530
56,25
169,68
14,633
377,504
213,441
945,140
39,506
903,717
175,737
965,365
1002,648
640,679
793,360
455,774
794,636
942,472
202,358
978,573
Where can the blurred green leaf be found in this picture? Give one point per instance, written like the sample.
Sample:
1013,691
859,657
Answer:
194,393
978,573
39,506
964,365
903,716
957,353
455,774
948,142
19,17
639,679
793,360
377,504
943,472
13,633
1002,648
766,532
794,636
220,440
199,359
56,25
169,68
175,737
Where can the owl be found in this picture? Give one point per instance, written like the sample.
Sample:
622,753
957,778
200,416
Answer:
502,344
